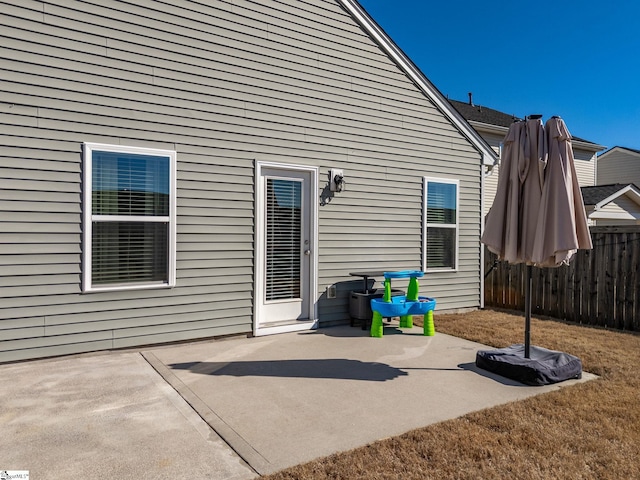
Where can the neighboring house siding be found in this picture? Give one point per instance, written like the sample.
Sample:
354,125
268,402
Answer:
490,188
585,163
491,181
224,85
620,206
493,139
619,166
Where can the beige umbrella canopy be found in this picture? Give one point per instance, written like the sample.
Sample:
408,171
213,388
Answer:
502,223
511,224
532,178
562,221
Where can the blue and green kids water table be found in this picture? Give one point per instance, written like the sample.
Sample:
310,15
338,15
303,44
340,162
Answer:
403,306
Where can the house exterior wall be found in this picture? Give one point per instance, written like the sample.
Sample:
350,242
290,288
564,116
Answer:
618,166
585,163
224,84
491,180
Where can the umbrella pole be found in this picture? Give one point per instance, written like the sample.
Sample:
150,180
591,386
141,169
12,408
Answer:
527,313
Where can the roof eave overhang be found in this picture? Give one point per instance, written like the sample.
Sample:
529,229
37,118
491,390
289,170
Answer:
591,147
598,215
489,157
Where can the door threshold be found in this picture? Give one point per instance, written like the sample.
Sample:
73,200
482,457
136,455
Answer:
286,327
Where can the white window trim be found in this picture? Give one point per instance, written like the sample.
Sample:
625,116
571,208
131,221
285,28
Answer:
88,149
425,225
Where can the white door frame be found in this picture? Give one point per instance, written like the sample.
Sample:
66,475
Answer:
259,251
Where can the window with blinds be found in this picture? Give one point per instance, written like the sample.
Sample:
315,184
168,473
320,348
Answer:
283,239
440,230
129,217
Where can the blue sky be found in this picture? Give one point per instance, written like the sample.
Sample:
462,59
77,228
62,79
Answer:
576,59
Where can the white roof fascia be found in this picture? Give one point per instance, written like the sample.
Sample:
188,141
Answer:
489,157
614,216
591,147
631,192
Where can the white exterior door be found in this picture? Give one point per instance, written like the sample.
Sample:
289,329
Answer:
285,249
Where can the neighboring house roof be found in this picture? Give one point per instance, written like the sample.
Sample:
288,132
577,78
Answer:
630,149
489,157
624,149
599,195
478,113
490,117
617,204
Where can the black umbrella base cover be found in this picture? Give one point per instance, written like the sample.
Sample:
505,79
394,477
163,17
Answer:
544,366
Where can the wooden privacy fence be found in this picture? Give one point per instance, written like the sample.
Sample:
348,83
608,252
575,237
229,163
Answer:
599,287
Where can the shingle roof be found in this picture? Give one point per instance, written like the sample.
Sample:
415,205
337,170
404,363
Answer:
594,195
479,113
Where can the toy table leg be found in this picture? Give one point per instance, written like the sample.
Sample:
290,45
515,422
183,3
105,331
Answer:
406,321
376,325
428,327
376,321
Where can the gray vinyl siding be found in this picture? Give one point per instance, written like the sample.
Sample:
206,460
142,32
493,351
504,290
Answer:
618,166
225,84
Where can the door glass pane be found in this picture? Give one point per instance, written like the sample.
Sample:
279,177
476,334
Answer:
284,239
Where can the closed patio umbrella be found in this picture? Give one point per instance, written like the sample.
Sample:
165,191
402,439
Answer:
501,233
511,223
562,226
538,181
532,178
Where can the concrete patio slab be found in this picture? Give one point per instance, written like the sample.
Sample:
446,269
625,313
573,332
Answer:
286,399
105,416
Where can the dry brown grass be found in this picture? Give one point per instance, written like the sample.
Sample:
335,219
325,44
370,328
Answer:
588,431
